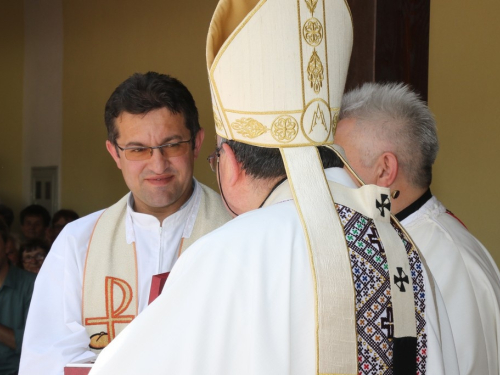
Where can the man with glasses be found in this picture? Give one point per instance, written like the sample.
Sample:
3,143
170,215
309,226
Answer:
98,275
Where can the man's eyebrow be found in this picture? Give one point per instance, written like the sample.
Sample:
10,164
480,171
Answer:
170,139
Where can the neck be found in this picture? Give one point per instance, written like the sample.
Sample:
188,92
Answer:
255,193
415,206
161,213
407,196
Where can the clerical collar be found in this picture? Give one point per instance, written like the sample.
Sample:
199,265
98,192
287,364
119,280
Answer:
403,214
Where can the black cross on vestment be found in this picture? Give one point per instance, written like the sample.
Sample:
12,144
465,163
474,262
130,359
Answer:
401,279
386,203
388,323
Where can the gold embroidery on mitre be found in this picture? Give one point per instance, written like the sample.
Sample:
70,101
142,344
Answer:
318,119
335,120
248,127
313,32
315,72
311,4
218,122
284,129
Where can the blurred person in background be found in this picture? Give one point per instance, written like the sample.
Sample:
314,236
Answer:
12,250
7,214
16,288
59,221
33,254
35,221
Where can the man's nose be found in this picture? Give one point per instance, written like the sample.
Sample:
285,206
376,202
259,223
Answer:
158,162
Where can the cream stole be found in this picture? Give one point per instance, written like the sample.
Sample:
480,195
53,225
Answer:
109,298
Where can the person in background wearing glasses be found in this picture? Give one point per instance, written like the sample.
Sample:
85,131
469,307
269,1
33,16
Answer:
33,254
98,275
16,288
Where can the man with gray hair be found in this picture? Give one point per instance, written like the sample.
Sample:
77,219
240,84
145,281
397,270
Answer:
389,137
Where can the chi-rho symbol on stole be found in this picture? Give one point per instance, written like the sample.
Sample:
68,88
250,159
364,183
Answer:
118,296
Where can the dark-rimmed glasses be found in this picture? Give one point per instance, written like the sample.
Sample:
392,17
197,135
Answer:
169,150
36,257
213,159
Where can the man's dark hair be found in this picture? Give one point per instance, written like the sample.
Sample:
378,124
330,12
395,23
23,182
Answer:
4,231
265,163
36,210
32,245
142,93
68,215
7,214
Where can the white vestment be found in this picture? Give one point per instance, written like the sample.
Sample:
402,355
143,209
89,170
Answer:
54,334
241,301
469,281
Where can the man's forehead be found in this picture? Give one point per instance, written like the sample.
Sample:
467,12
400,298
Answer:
33,218
141,115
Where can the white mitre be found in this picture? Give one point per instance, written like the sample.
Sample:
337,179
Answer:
277,72
278,69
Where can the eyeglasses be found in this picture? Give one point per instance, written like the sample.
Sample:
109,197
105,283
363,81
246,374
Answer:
31,258
213,159
169,150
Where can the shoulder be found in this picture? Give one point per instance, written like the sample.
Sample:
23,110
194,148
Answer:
259,229
209,194
82,224
432,218
75,235
254,243
340,176
443,238
212,205
23,279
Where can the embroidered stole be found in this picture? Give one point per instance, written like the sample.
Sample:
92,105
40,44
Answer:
110,298
335,306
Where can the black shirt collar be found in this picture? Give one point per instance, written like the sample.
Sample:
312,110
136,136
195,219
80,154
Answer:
403,214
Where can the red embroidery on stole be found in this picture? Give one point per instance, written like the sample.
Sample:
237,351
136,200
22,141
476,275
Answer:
114,316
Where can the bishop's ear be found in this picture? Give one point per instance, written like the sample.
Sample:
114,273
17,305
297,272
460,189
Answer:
386,169
230,169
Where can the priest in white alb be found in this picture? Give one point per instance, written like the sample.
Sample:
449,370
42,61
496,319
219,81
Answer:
389,135
98,275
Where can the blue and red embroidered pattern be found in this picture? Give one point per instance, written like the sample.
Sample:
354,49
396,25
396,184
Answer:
373,295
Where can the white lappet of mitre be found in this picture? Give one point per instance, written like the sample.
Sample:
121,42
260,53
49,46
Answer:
277,70
277,73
